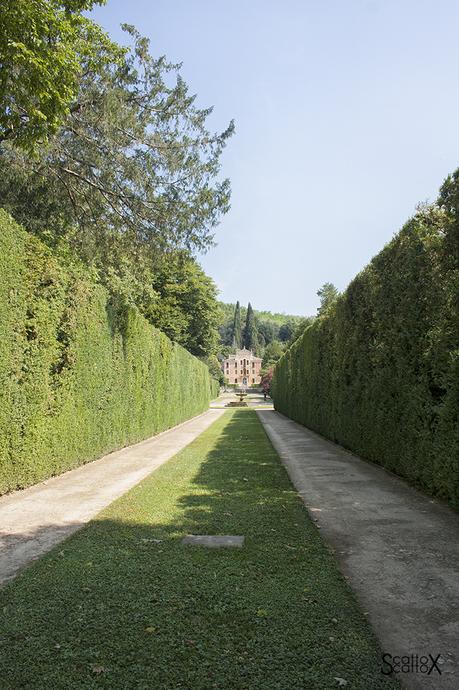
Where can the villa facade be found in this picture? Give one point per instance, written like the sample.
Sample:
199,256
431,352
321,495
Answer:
242,368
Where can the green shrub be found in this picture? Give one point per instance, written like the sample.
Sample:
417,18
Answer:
214,388
379,372
80,374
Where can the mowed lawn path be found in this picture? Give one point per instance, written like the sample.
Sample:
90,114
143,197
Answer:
124,604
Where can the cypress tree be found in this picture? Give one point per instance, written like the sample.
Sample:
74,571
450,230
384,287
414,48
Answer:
237,328
250,330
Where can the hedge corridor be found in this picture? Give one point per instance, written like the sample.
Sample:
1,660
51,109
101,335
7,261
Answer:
80,374
378,372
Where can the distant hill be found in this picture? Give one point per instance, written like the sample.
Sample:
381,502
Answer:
270,326
276,317
273,317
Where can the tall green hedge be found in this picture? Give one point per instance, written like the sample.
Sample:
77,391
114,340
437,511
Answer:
379,372
80,375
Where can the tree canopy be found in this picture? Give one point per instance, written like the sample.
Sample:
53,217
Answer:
132,171
270,326
186,307
273,352
286,330
250,330
236,334
43,46
130,178
266,381
327,295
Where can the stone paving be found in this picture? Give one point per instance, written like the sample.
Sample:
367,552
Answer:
214,541
398,548
34,520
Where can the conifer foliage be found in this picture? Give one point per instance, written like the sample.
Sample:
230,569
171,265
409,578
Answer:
103,150
378,370
81,372
237,327
250,330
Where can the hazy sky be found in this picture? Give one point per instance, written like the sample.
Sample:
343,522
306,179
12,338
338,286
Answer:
347,115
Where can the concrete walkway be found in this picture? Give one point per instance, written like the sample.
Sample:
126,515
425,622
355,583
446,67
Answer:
398,548
34,520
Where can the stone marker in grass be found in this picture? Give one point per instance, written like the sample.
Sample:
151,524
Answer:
214,541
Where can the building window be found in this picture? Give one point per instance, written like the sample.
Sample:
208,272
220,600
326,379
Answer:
235,380
253,380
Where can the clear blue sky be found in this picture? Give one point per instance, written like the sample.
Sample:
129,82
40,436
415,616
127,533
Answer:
347,115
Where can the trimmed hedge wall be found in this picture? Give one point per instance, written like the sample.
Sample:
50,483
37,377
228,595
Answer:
79,375
379,372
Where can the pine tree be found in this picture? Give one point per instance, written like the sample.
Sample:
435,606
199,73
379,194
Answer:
237,329
327,295
250,330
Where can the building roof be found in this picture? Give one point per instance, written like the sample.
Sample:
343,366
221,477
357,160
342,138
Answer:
243,354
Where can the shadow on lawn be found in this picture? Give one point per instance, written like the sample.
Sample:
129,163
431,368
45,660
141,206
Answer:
222,490
124,604
237,481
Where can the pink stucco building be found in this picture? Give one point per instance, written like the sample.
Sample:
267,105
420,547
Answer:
242,368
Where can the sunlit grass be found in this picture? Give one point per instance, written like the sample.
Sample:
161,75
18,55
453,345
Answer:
123,604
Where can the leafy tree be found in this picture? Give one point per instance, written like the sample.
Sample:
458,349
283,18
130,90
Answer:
449,203
224,351
273,352
132,172
266,381
185,305
237,327
275,317
299,329
286,330
226,334
267,331
130,180
215,368
250,330
327,295
43,45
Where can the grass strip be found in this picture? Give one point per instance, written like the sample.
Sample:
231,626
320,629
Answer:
123,604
